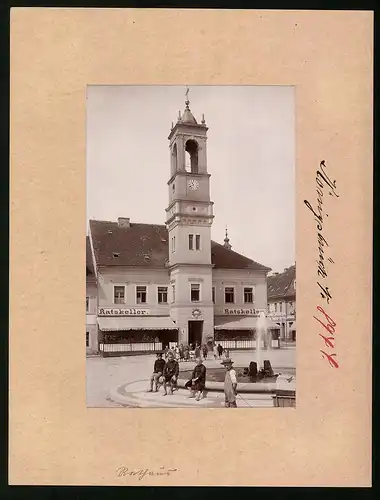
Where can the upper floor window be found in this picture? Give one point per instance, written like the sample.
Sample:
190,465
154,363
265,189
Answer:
87,339
248,295
87,303
280,307
275,307
119,294
173,244
195,292
162,294
197,242
213,294
140,294
173,292
194,241
229,295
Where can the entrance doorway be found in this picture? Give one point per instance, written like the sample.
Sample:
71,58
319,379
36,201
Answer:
195,332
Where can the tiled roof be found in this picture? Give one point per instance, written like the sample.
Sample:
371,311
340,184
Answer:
147,245
281,285
89,262
223,258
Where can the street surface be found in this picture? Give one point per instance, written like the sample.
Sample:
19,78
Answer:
123,381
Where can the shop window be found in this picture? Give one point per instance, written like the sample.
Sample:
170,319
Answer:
195,292
229,295
119,295
141,294
87,304
162,294
248,295
87,339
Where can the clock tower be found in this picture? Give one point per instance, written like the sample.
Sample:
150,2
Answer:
188,218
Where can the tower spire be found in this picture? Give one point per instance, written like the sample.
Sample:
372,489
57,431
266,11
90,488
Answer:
227,241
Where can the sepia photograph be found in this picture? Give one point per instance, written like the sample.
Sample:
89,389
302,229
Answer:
190,247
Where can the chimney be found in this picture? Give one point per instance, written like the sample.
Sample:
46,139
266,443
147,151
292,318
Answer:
123,222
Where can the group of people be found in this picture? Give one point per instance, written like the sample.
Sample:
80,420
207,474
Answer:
165,373
189,352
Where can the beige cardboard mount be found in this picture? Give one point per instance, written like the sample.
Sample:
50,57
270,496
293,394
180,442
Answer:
55,54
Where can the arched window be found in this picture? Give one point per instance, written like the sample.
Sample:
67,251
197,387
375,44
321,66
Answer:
174,158
191,149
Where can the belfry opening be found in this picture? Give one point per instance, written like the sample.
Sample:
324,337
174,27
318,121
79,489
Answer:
191,149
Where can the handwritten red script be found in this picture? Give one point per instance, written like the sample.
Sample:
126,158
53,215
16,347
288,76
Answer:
323,184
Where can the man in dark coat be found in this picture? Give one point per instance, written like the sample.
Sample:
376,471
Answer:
170,375
197,383
158,370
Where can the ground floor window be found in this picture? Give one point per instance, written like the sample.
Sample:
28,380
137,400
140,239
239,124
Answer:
140,336
242,334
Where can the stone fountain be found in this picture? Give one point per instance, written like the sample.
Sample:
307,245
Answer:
261,369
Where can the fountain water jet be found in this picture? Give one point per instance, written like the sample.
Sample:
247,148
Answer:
261,334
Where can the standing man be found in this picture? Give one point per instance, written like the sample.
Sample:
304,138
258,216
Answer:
220,350
197,383
158,370
197,352
230,384
205,351
171,371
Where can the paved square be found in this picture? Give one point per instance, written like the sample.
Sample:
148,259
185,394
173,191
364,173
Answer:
123,381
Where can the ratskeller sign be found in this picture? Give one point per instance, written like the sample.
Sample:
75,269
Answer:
109,311
247,312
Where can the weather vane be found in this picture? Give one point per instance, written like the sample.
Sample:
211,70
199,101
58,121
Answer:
187,92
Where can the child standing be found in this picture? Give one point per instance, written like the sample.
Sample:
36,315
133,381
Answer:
230,384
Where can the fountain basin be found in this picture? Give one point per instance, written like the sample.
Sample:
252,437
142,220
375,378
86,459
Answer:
215,381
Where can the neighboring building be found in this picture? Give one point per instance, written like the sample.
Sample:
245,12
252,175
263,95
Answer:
282,301
160,284
91,303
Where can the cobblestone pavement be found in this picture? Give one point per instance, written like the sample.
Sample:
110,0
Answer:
123,381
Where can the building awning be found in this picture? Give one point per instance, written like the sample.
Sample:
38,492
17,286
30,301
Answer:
245,323
136,323
293,327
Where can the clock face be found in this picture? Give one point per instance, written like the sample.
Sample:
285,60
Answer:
193,184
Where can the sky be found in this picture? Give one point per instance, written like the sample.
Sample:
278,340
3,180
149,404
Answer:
250,156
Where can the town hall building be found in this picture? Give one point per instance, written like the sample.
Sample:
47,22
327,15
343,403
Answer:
164,284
